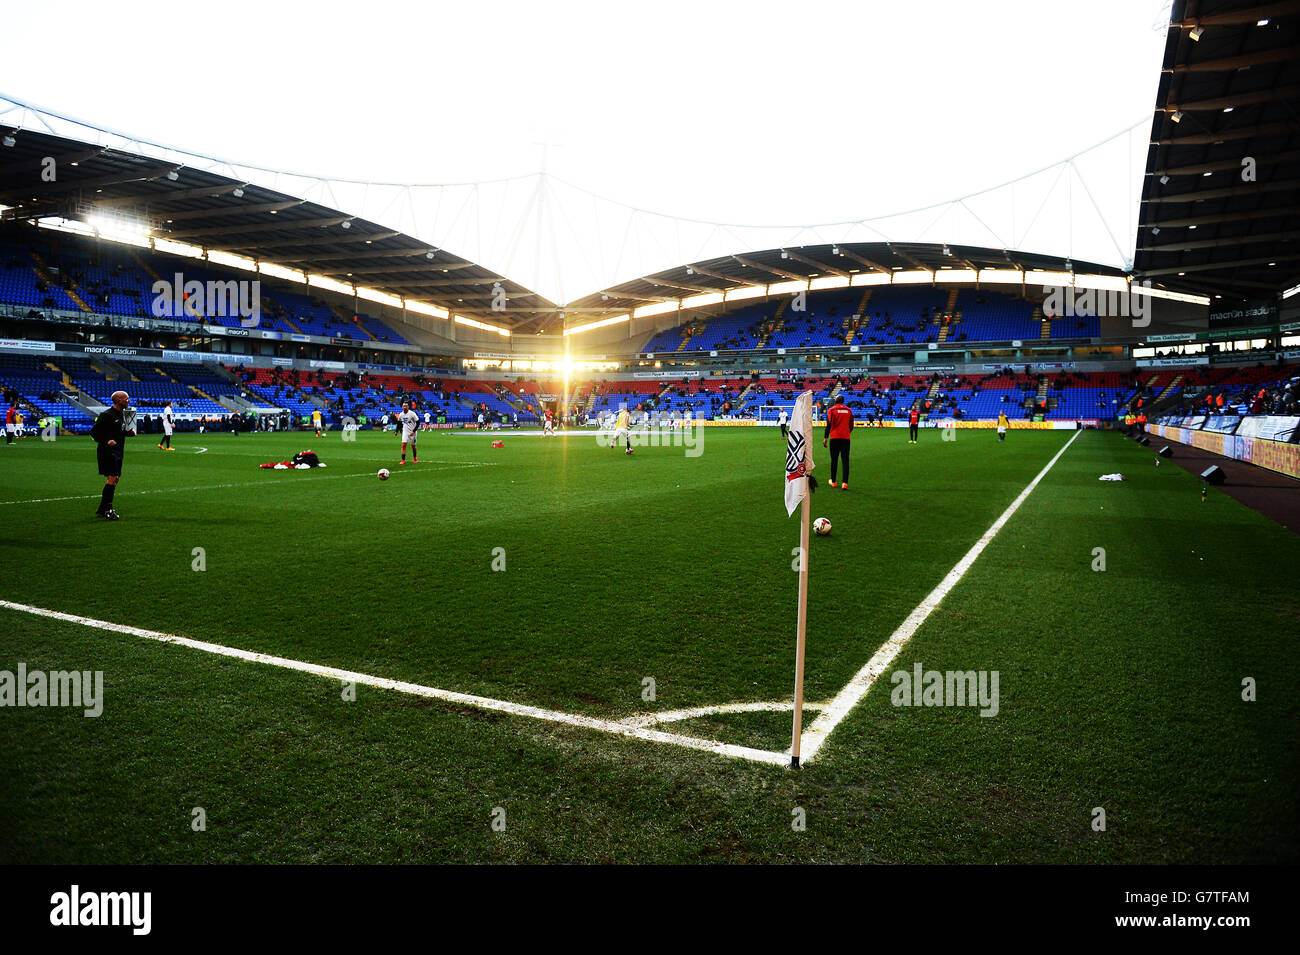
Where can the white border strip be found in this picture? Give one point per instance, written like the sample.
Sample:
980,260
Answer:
857,688
479,702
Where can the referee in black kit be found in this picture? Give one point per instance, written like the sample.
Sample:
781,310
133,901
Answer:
110,432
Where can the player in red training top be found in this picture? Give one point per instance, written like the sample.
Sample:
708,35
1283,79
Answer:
913,424
839,429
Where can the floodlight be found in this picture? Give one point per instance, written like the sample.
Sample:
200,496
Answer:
1164,180
9,141
1195,32
1178,116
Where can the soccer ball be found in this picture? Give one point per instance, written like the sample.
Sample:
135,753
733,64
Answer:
822,526
383,474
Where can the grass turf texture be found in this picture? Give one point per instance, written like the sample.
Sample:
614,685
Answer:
1119,689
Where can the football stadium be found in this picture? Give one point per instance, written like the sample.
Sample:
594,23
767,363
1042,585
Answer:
355,520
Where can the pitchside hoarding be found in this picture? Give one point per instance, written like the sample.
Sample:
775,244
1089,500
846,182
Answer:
1276,456
1269,427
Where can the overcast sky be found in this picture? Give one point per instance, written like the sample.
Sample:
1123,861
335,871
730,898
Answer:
748,112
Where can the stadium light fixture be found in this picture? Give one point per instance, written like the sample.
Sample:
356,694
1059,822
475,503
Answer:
424,308
785,254
1164,180
9,141
482,326
173,175
429,255
1228,109
346,223
1196,32
746,291
658,308
1262,23
238,193
699,301
1156,230
828,281
1177,117
689,270
602,323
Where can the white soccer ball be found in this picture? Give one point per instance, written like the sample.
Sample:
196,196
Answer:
383,474
822,526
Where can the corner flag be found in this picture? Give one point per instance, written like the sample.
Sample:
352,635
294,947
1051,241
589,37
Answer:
798,453
799,484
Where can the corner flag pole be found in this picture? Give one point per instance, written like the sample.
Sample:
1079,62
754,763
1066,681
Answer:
802,628
799,484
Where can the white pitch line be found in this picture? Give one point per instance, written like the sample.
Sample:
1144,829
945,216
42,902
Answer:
673,716
214,487
398,686
857,688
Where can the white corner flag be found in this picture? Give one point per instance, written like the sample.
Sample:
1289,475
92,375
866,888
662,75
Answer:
798,474
798,453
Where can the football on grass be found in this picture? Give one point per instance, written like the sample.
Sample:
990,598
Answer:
383,474
822,526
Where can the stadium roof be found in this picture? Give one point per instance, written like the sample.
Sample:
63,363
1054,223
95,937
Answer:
857,262
1220,208
196,207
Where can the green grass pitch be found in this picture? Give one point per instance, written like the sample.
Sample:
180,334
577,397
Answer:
1119,689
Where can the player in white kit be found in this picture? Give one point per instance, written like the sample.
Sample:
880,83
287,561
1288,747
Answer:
409,422
168,425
